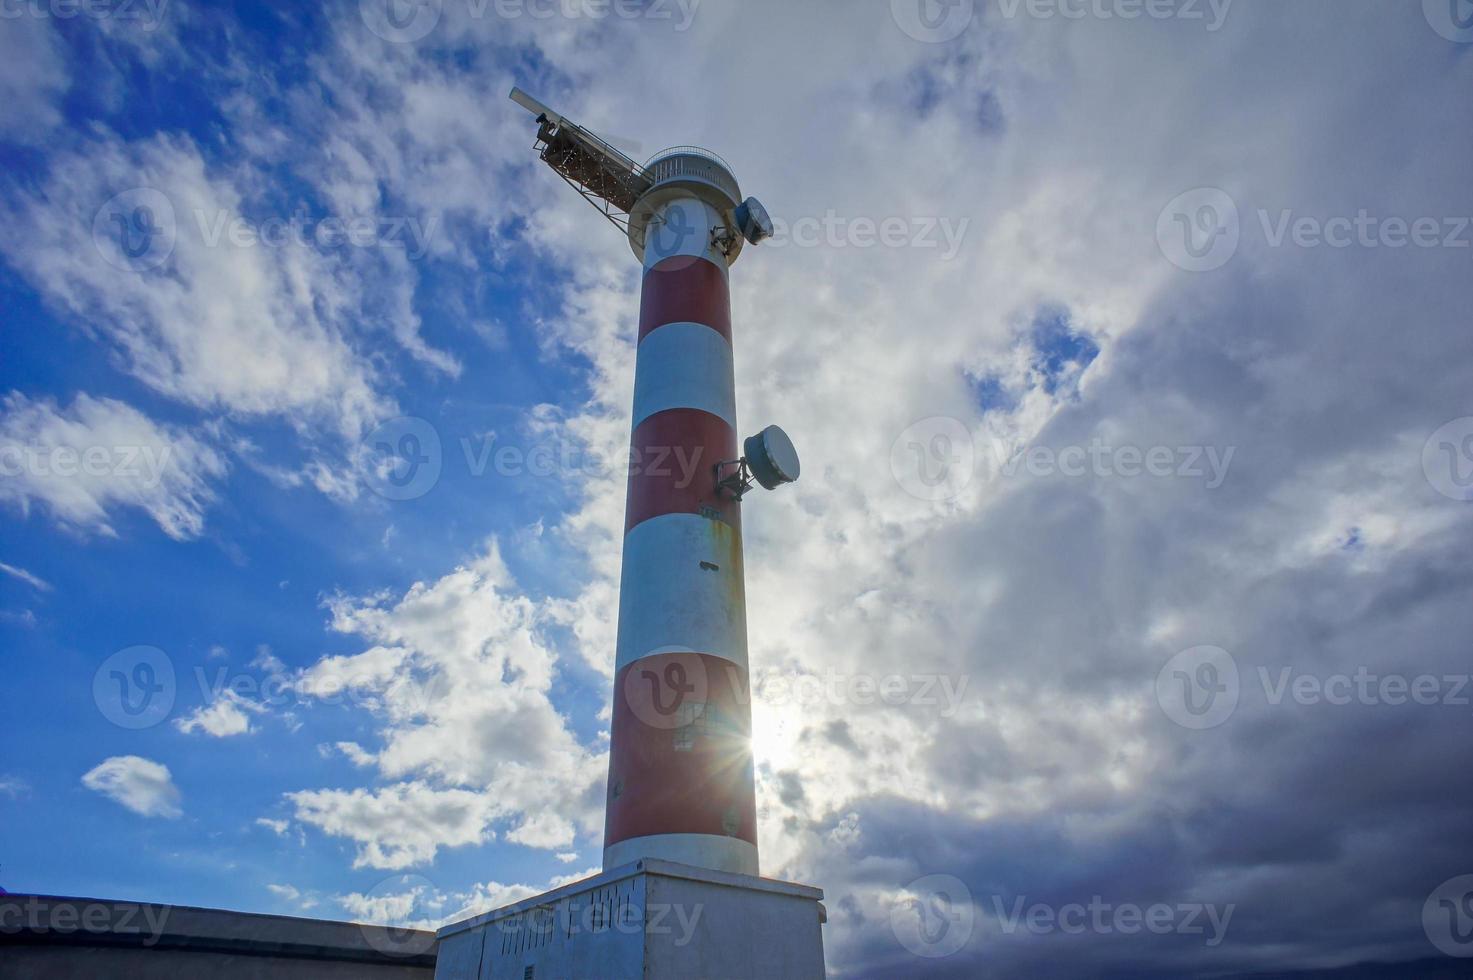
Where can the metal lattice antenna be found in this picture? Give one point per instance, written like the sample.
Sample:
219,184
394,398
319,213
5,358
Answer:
607,179
630,195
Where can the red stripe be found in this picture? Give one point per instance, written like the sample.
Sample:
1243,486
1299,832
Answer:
671,467
681,289
669,774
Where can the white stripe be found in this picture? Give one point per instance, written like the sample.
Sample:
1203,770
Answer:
684,365
668,600
683,227
701,850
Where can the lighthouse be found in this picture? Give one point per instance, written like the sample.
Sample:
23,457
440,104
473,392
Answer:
680,762
681,815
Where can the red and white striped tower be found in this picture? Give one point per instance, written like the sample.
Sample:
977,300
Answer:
680,758
681,786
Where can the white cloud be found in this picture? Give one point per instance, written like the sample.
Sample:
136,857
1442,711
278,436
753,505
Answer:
254,331
294,896
33,78
84,461
142,785
277,827
414,901
229,714
34,581
459,677
355,754
398,826
267,661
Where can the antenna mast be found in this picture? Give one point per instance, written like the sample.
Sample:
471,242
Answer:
607,178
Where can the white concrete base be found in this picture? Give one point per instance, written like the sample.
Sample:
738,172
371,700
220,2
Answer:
649,920
701,850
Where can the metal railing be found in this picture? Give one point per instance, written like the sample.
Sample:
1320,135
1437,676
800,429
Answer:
693,162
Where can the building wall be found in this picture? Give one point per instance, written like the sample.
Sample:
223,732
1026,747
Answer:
47,937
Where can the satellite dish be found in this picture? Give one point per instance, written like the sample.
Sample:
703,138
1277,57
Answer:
753,220
771,457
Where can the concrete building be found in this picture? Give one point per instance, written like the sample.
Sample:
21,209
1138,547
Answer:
47,937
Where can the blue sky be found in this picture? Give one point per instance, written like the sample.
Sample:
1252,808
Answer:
1053,451
255,577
